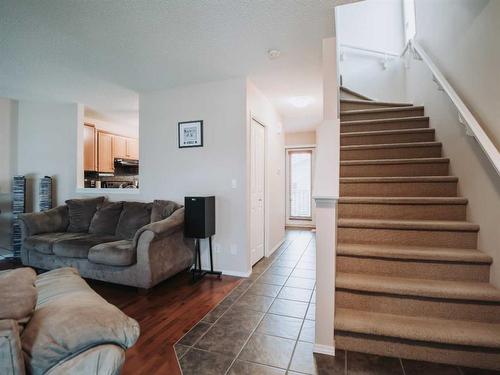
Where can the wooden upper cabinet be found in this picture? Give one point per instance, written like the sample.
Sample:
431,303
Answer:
89,148
105,160
133,148
119,147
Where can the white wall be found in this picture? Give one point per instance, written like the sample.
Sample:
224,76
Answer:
47,146
8,120
376,25
168,172
263,111
300,138
460,36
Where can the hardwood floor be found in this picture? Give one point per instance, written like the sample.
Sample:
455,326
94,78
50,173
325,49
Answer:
164,315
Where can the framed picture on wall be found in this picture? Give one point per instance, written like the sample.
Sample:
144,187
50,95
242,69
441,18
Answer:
190,134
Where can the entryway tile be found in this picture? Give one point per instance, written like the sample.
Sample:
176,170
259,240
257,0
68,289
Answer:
262,289
247,368
195,333
308,331
367,364
254,302
297,282
306,362
420,367
295,294
282,326
220,340
268,350
286,307
238,318
269,278
196,362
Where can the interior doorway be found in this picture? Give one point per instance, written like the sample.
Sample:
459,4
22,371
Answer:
257,190
300,171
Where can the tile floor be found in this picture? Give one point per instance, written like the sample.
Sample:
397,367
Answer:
265,326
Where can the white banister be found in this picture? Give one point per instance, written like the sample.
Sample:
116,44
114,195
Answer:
465,116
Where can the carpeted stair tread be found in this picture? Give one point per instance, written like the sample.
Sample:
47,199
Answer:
384,120
433,225
396,161
380,110
455,290
387,132
440,254
361,101
405,200
424,329
401,179
389,145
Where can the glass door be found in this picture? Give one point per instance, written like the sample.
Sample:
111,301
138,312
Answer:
300,184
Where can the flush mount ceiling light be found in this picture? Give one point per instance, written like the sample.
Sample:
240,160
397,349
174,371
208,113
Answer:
273,53
300,101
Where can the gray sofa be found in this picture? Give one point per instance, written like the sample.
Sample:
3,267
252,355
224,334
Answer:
55,324
130,243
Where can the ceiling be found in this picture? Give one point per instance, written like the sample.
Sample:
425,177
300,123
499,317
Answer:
103,53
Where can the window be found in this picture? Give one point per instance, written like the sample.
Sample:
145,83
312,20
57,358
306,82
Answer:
300,184
409,19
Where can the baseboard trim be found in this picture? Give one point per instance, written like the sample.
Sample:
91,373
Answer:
237,274
276,247
324,349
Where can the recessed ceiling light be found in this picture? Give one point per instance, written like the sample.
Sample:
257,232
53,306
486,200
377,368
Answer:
273,53
300,101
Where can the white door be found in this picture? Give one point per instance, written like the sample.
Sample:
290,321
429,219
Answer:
257,191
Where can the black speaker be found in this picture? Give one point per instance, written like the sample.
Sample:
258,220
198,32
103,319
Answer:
199,217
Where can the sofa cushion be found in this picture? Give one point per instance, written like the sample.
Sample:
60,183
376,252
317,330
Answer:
134,216
18,294
163,209
106,218
70,318
79,247
44,243
118,253
81,212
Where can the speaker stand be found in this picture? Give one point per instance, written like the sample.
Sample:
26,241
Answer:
198,272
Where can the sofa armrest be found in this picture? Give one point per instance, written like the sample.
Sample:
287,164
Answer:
163,228
54,220
11,355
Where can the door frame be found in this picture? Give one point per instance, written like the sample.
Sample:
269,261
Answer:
252,118
299,222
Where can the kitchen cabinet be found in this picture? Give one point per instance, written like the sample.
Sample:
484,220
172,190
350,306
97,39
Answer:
105,159
119,147
89,148
125,148
132,148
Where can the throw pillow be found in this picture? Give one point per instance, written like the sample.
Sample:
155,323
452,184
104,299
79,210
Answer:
163,209
18,294
81,212
134,216
106,218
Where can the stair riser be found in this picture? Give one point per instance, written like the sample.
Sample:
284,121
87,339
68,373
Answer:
380,115
414,269
415,124
456,239
402,211
398,189
377,139
369,105
392,153
417,350
394,170
418,306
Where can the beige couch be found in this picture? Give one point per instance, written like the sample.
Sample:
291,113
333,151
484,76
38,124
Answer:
56,324
130,243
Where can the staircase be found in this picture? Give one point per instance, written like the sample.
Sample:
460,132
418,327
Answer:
411,282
